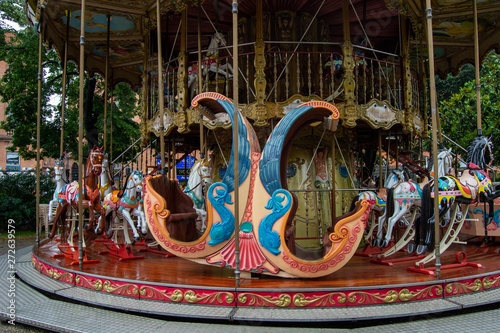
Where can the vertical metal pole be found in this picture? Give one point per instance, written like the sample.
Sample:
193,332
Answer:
111,104
106,79
160,87
38,121
477,66
80,136
333,186
432,82
380,180
202,150
63,97
236,147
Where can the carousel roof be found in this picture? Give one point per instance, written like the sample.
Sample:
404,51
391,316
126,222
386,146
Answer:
133,20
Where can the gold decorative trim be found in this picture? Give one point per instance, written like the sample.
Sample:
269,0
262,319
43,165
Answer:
153,293
282,301
393,296
191,297
124,289
463,288
84,282
323,300
487,283
65,277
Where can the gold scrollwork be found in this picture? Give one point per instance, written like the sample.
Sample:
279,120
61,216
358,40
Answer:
153,293
191,297
392,295
487,283
84,282
461,288
282,301
66,276
125,289
407,295
323,300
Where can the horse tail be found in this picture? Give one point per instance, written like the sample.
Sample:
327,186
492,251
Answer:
353,202
389,206
425,214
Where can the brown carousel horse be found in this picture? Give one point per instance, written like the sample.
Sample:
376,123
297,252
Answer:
68,196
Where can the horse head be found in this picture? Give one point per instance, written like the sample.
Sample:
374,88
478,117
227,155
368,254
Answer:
59,170
135,180
444,157
205,171
480,152
95,159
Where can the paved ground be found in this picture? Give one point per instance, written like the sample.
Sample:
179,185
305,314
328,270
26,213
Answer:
21,242
483,319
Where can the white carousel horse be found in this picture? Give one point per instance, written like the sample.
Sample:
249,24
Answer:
403,196
210,62
127,203
378,199
105,184
60,178
198,178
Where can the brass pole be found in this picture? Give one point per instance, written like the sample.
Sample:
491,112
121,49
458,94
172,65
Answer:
380,181
38,123
432,82
63,97
80,136
236,148
334,201
111,124
106,77
173,166
346,20
202,150
477,66
160,88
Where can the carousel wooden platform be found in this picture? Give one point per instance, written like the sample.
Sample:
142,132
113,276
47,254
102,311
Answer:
361,283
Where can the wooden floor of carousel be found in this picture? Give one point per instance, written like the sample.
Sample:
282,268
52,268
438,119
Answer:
176,287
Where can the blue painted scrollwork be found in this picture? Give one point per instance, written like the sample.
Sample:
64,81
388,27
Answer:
269,238
223,229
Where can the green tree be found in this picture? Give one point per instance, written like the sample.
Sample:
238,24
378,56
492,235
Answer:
458,113
17,198
19,88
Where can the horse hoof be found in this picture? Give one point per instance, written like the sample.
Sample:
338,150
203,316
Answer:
382,244
374,242
411,248
421,249
444,223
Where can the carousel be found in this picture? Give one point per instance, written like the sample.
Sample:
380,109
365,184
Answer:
301,124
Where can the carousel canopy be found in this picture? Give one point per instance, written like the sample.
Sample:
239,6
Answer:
374,23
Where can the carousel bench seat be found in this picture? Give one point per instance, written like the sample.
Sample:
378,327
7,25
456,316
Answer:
181,223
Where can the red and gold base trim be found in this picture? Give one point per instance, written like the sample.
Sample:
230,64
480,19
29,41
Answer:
266,298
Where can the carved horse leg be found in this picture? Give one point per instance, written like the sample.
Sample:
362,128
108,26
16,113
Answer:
390,224
126,216
59,218
380,231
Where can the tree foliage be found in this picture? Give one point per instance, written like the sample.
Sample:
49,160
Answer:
18,200
19,88
458,112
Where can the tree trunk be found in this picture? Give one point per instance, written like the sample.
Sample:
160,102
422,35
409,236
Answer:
89,114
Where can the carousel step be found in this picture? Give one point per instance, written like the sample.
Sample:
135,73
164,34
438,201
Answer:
49,304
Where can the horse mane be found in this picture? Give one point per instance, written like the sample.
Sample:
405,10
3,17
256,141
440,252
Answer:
476,151
430,161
